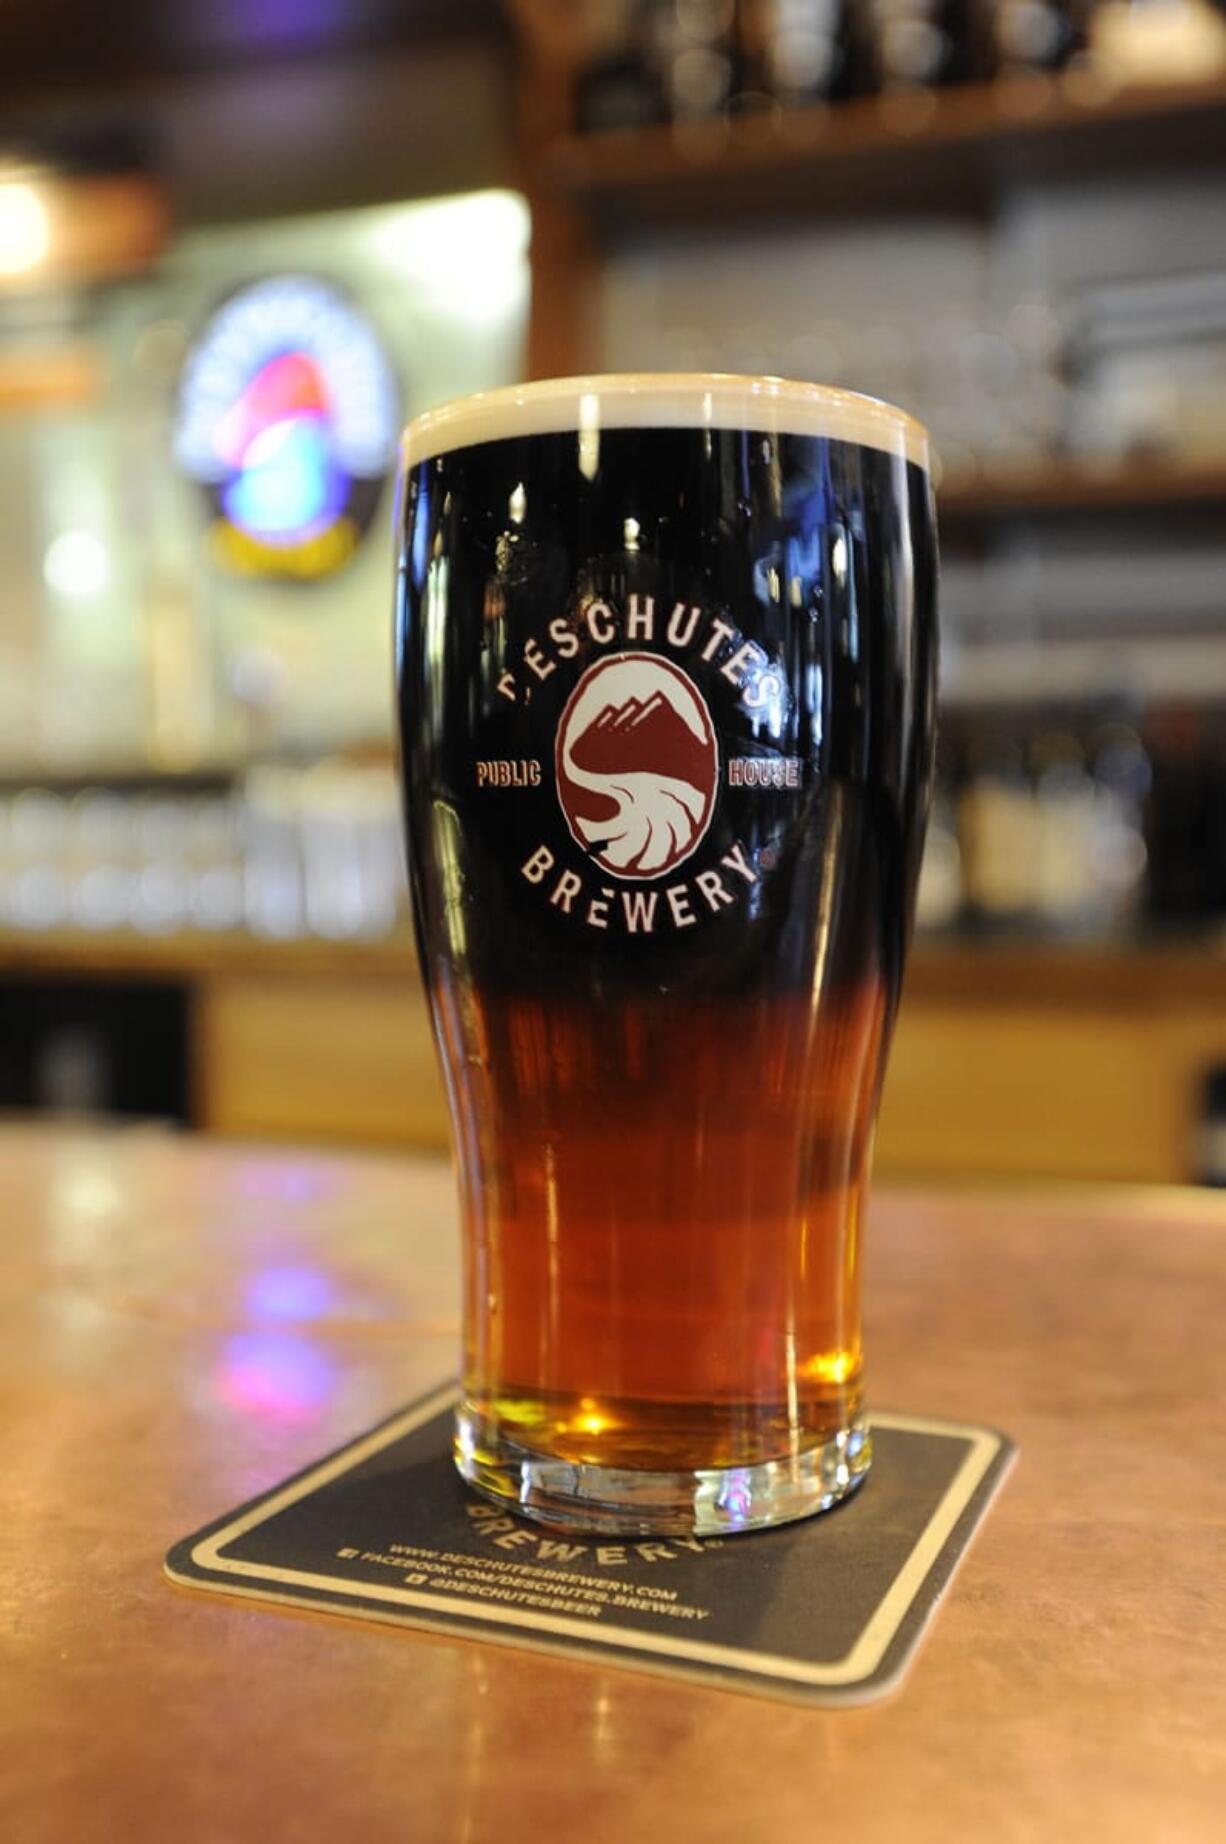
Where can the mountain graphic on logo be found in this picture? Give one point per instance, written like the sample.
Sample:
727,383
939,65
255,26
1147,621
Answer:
641,735
637,764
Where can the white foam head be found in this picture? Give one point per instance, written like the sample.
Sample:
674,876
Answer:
665,400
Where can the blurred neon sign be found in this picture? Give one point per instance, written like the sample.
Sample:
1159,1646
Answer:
288,419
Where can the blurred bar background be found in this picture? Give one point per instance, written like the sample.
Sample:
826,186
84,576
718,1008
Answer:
240,245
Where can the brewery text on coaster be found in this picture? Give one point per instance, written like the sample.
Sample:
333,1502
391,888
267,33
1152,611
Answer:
827,1610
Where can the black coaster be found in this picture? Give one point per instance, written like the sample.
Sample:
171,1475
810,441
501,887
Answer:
828,1610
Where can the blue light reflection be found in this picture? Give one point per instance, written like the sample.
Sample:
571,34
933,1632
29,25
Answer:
291,1294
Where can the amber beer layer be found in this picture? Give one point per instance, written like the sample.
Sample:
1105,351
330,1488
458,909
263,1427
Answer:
665,656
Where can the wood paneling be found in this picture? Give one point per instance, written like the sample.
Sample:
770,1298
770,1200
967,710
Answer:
1009,1092
320,1059
1103,1090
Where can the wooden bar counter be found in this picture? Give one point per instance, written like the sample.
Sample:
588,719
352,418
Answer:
183,1322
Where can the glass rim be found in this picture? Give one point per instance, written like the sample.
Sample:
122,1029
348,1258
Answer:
763,404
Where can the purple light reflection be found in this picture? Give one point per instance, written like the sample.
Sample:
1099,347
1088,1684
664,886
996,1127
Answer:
290,1294
287,1181
274,1376
264,24
736,1496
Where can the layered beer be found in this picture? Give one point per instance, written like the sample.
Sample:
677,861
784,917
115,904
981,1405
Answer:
665,653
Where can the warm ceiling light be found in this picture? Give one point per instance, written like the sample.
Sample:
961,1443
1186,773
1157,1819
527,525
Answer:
25,235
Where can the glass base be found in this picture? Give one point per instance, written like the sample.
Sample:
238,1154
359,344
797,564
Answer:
624,1502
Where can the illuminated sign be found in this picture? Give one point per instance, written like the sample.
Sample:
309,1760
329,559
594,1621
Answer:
288,418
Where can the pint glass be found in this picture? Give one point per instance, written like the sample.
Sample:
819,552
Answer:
665,654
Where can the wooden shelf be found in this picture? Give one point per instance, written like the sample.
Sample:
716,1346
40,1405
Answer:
192,954
1031,968
948,148
1060,488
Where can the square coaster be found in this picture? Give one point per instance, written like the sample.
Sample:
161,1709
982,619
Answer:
828,1610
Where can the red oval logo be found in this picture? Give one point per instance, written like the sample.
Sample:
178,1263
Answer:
637,764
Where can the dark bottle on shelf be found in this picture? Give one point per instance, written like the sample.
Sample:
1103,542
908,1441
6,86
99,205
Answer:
796,53
1035,35
922,44
620,83
1184,827
692,48
1211,1149
1215,814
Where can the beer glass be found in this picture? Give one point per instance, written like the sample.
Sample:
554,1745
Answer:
665,653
